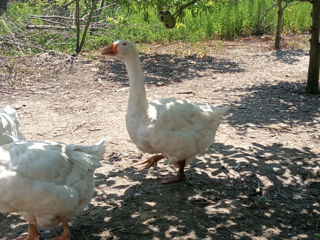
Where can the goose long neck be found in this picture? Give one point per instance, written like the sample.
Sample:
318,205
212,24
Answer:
137,101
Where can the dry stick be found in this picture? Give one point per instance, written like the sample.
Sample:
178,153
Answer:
5,24
54,22
49,27
47,16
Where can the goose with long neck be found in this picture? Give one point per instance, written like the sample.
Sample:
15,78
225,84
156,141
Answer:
175,129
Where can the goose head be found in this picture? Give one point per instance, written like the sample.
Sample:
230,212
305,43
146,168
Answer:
121,49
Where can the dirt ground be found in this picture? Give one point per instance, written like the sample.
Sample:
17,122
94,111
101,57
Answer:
259,180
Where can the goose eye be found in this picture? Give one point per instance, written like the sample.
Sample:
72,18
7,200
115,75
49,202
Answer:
124,44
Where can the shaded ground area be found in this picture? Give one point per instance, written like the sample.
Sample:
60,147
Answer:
261,178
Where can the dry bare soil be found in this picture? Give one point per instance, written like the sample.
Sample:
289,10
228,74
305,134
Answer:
259,180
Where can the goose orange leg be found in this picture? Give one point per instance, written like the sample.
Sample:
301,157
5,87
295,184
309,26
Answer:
66,230
179,177
150,162
33,233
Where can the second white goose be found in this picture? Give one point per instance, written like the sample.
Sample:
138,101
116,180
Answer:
176,129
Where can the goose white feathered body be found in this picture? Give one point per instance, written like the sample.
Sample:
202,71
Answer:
44,181
177,129
9,126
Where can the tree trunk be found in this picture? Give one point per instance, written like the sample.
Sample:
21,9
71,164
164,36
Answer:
314,61
279,25
78,26
3,6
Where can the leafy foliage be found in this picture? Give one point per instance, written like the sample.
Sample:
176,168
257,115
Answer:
138,20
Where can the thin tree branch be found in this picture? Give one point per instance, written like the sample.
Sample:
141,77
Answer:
68,4
266,12
12,35
84,34
65,28
53,16
182,7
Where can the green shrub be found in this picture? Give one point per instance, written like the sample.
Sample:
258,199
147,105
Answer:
218,19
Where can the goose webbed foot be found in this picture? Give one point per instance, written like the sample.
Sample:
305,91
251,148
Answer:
66,230
177,178
150,162
33,233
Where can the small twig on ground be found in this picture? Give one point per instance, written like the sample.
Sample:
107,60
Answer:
186,92
78,126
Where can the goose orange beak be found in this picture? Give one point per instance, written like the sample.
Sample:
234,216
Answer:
112,50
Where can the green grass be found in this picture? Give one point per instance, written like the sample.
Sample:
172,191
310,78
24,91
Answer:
217,20
231,21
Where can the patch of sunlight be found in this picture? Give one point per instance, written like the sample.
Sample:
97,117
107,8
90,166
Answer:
246,173
172,229
106,219
304,211
271,162
154,228
302,236
190,235
276,169
288,178
152,204
199,170
135,215
171,218
228,223
149,223
266,181
15,225
267,214
269,233
316,211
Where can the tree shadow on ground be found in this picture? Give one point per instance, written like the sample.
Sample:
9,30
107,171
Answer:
288,56
166,68
229,193
268,191
284,102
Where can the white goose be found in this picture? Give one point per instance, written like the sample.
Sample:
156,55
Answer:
47,182
177,129
9,126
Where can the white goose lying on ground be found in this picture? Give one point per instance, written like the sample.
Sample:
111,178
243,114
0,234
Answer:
177,129
9,126
47,182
